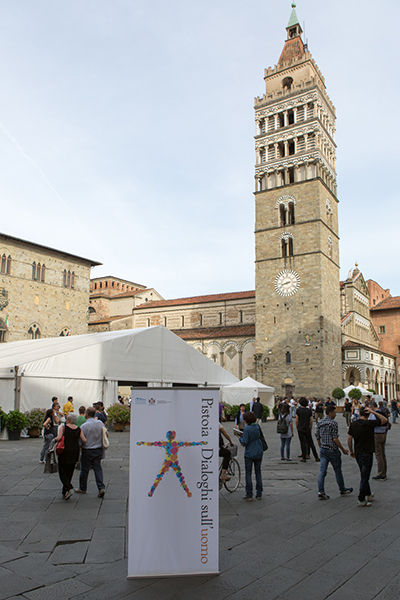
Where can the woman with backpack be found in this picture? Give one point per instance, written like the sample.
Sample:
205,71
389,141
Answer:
251,440
285,424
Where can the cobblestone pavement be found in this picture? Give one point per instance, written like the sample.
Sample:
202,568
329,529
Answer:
289,546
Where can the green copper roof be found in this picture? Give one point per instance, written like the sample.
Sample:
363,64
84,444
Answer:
293,17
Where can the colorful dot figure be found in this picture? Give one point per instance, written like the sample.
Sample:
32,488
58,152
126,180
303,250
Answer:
171,460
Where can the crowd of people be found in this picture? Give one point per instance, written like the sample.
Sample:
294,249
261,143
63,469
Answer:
71,439
367,425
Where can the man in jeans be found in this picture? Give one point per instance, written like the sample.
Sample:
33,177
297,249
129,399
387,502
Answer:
327,435
92,453
362,431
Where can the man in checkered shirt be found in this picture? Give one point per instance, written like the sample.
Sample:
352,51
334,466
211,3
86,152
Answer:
327,435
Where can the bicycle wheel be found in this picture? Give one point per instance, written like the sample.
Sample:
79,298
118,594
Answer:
233,471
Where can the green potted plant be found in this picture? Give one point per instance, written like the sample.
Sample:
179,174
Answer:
227,412
265,413
35,421
275,411
372,391
3,419
355,394
119,415
338,394
16,421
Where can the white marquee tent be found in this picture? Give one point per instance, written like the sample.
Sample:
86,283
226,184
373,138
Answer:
244,391
90,367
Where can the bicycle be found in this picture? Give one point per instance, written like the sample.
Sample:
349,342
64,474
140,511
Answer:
233,471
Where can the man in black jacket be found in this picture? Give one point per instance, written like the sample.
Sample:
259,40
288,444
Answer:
304,424
258,411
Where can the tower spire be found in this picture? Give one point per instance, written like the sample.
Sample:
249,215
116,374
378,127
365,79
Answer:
293,17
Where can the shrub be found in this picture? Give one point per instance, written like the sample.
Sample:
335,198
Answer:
372,391
275,410
235,409
355,394
227,410
118,413
35,418
16,420
265,412
338,393
3,418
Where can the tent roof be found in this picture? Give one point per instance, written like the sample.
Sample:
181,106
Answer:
249,382
358,387
151,354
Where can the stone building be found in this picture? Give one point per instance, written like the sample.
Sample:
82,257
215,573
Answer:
385,316
297,246
364,360
221,326
44,292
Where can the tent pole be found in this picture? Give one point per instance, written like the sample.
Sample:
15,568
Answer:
103,389
17,390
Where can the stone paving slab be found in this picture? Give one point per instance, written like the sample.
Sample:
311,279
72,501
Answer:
289,546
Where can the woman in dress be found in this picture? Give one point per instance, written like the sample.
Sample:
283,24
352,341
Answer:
251,440
286,438
70,454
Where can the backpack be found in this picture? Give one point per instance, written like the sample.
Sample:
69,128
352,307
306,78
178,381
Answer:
282,426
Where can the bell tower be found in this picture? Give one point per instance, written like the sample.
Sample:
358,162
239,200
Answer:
298,335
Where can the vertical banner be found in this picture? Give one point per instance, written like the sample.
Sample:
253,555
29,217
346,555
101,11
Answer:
173,482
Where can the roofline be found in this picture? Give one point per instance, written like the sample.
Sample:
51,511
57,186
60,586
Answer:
118,279
93,263
199,299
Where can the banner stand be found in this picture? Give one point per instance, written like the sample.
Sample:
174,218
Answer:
173,482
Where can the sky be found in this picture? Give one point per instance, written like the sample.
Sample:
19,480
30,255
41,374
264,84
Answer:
127,132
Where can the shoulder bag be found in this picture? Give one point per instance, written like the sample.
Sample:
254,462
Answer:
61,444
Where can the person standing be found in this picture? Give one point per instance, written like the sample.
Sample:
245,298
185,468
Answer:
327,435
70,455
304,422
252,403
239,420
362,432
81,419
319,411
251,440
347,409
293,407
68,406
50,431
258,411
286,438
394,411
92,452
380,434
224,452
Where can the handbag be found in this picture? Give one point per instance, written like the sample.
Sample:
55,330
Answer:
263,440
61,445
104,440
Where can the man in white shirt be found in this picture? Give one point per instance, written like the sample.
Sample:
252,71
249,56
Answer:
92,453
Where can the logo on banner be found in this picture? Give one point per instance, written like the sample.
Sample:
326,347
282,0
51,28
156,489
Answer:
140,401
171,447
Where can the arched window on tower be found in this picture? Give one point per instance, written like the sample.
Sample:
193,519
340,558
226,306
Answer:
69,279
8,265
288,358
43,274
65,279
3,264
33,271
282,215
290,246
284,248
34,332
291,213
287,83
